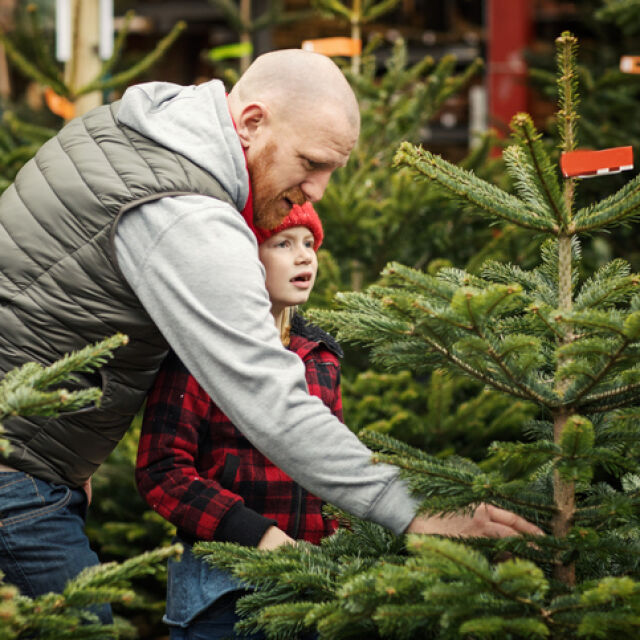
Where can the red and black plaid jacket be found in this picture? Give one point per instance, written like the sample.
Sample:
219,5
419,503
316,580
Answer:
199,472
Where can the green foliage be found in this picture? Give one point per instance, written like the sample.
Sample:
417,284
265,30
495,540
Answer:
625,13
30,50
55,616
372,214
363,582
361,12
562,340
25,391
120,525
274,15
608,99
442,414
34,389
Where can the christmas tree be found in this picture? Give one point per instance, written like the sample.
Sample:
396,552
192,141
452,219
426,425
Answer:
34,389
548,335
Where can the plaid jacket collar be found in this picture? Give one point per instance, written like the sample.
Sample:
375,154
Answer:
305,337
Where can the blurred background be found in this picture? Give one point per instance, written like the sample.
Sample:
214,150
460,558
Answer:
448,74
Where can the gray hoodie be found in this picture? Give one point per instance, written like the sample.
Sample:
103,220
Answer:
193,263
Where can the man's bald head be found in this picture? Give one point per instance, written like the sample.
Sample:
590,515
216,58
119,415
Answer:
292,82
297,121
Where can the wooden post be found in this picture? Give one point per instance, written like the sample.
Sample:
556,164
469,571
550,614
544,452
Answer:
84,64
7,7
245,36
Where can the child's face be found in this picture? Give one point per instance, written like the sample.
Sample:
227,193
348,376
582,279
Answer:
291,265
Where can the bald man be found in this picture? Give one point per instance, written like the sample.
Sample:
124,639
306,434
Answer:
138,217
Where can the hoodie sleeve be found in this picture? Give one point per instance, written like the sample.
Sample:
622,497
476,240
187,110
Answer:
193,263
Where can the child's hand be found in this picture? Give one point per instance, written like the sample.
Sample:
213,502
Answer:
274,538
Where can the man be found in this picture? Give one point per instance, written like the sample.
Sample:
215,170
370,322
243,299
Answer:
137,218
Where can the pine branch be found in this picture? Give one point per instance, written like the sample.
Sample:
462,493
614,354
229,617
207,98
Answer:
125,77
548,188
611,284
23,390
31,70
465,185
118,45
566,53
623,206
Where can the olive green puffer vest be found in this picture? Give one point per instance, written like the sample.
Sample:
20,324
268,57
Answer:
61,289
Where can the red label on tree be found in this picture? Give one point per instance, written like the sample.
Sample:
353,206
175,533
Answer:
589,164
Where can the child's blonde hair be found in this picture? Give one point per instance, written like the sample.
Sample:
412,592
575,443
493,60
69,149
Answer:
283,324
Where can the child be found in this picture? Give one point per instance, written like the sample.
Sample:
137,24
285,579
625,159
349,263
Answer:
200,473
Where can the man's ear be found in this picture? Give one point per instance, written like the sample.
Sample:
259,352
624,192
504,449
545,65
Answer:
253,118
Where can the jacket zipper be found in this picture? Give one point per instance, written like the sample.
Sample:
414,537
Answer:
298,511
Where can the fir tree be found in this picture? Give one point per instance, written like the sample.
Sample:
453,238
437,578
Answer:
373,214
443,414
569,345
34,389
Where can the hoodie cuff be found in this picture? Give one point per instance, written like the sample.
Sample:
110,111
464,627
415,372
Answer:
395,508
243,526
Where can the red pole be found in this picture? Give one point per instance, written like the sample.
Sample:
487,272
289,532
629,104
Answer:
510,26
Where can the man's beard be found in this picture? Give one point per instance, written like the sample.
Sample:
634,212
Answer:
268,210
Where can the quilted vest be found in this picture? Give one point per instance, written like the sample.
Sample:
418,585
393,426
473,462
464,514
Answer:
61,289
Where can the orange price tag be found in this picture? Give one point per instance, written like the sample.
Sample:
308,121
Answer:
59,105
589,164
630,64
334,46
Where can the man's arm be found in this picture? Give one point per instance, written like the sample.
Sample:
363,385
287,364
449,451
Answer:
193,263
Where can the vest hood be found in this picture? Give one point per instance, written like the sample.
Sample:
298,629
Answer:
195,122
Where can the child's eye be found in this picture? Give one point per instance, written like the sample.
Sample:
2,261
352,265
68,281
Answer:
309,244
282,243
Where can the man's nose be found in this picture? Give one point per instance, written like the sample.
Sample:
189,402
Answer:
314,185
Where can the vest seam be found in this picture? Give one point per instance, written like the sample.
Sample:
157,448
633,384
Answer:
10,237
180,159
81,175
44,272
123,129
35,219
71,297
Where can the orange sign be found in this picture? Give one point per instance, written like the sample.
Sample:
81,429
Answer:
59,105
334,46
630,64
588,164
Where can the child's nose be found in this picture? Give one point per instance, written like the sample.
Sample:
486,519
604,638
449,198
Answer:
305,254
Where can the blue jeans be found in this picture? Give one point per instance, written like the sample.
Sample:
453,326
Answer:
215,623
42,538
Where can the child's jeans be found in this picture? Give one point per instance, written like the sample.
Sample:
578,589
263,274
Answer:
215,623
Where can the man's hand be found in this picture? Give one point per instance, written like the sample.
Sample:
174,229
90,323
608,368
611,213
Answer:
274,538
487,521
86,487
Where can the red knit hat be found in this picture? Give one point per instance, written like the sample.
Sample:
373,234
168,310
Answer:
299,216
